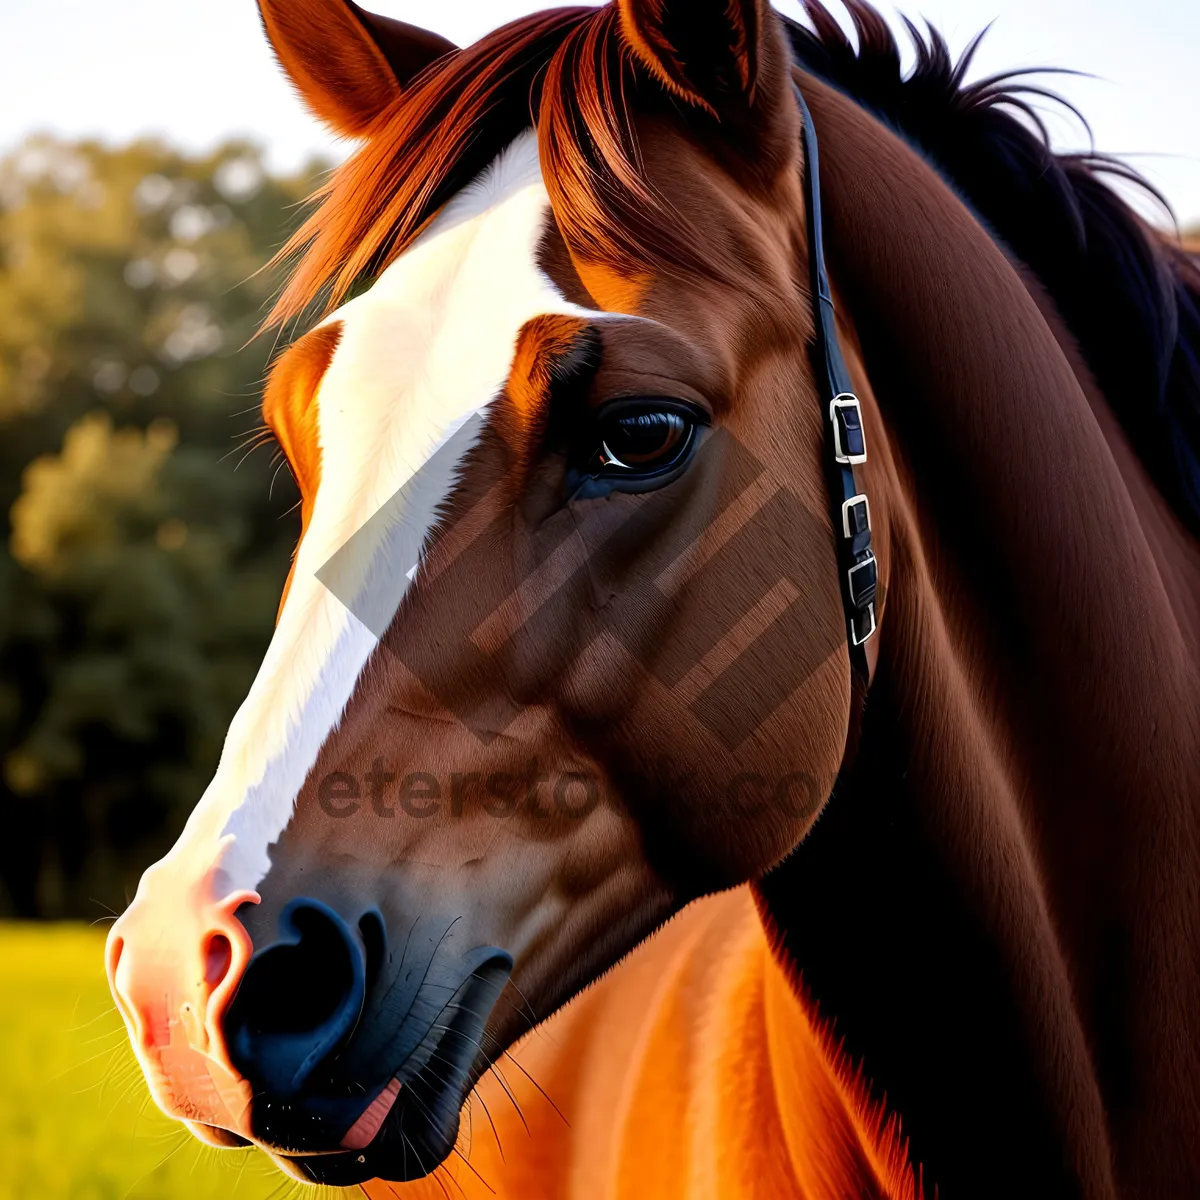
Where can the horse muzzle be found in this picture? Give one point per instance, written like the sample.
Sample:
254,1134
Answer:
344,1051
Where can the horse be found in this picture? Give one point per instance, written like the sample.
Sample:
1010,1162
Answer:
588,829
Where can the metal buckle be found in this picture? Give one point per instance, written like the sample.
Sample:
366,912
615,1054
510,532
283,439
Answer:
847,402
857,639
854,502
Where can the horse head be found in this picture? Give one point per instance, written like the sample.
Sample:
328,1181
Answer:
563,646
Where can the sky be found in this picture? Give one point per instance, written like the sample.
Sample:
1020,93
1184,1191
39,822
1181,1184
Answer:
197,70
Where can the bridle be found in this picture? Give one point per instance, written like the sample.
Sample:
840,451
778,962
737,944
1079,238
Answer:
846,439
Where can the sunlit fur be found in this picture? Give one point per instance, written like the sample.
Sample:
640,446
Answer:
976,973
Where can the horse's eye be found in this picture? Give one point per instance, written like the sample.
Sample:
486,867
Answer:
637,444
643,440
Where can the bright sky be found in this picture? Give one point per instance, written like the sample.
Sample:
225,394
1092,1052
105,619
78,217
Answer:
195,70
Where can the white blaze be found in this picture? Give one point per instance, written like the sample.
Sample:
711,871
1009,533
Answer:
430,345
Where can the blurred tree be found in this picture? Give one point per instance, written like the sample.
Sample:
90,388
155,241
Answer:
142,570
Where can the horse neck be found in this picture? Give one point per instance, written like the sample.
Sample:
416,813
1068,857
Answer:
998,910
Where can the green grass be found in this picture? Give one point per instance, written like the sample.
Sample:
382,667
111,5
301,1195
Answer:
76,1122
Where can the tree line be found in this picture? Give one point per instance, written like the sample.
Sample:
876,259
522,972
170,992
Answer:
149,532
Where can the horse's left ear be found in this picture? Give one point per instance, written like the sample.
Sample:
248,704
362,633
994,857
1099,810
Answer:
707,51
347,64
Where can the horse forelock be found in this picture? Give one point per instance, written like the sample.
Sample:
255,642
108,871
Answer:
568,72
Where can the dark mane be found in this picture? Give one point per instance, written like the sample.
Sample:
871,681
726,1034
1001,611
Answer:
1130,298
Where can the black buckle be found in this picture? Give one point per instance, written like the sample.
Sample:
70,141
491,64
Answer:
862,578
849,439
856,523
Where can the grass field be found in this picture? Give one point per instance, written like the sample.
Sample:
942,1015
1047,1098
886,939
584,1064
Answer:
75,1119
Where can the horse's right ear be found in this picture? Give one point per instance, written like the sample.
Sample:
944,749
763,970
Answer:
707,51
347,64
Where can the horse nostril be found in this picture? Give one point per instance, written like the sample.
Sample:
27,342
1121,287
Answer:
114,950
298,1001
374,940
217,959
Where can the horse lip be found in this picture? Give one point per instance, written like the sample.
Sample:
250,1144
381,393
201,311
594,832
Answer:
364,1131
349,1166
475,997
217,1136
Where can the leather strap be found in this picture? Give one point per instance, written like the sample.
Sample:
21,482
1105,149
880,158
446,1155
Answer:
845,436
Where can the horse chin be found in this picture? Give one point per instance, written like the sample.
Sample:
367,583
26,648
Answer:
215,1136
416,1137
414,1126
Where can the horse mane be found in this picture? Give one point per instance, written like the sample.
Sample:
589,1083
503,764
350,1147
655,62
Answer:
565,71
1130,297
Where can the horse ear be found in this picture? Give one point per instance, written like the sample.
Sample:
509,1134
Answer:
347,64
706,51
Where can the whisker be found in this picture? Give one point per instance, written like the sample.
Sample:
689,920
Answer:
511,1058
424,1108
421,1164
111,1050
183,1141
474,1171
495,1070
242,1170
474,1094
424,978
533,1019
545,1095
493,1066
100,1037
